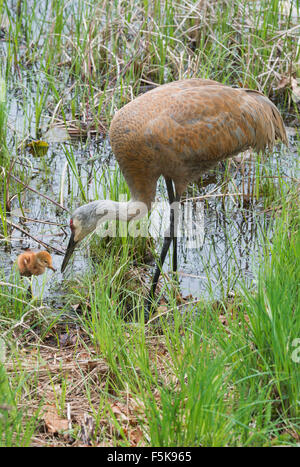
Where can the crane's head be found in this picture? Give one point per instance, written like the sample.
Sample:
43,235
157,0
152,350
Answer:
86,219
44,259
83,221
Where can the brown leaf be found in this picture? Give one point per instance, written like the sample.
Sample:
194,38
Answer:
291,83
67,339
121,413
135,436
63,339
284,82
54,423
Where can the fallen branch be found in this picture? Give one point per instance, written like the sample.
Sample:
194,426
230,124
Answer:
45,245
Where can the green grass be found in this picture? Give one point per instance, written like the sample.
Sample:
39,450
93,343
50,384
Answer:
16,428
274,311
93,56
214,372
221,384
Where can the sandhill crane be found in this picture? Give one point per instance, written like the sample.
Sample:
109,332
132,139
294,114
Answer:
34,264
178,130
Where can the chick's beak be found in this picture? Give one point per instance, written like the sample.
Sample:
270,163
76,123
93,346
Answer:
51,267
71,247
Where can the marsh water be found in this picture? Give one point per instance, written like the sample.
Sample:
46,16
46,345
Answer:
233,227
232,235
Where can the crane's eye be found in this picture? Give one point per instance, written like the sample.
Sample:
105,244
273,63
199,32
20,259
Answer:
71,225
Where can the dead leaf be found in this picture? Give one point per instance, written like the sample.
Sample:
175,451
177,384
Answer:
135,436
63,339
54,423
291,83
67,339
115,408
284,82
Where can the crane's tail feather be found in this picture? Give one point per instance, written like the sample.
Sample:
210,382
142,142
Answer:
272,121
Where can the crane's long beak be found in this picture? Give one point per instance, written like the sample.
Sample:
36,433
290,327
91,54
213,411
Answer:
71,247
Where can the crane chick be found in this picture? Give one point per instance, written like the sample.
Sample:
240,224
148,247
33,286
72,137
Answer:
34,264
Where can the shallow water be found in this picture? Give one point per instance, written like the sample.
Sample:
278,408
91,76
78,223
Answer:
231,237
228,248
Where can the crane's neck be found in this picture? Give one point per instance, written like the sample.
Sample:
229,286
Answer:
120,210
88,217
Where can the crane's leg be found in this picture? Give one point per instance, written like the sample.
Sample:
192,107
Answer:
172,198
167,241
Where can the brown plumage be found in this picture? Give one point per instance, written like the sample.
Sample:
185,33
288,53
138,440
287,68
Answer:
34,264
178,130
182,129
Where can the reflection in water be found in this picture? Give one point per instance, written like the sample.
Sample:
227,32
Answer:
228,229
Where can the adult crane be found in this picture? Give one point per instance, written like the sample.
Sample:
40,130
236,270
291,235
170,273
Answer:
178,130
